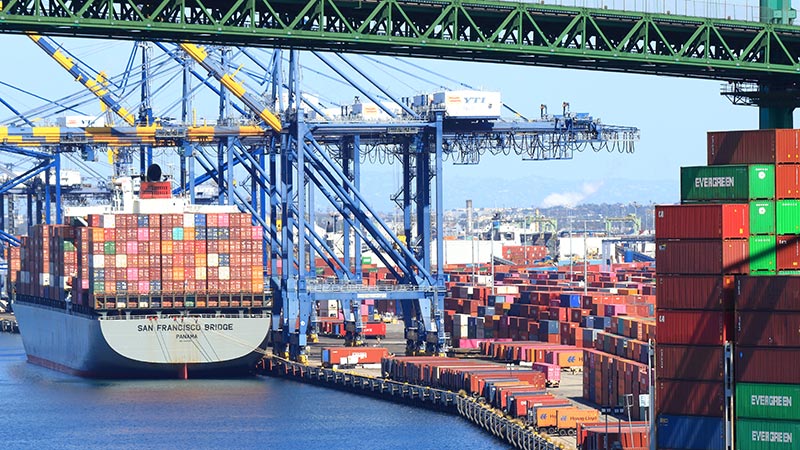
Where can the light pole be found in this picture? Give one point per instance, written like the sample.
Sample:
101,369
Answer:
570,249
495,225
585,261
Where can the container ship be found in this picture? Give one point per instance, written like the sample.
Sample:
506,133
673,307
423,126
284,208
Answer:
151,287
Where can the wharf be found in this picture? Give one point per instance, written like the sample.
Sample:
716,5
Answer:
8,323
369,381
513,432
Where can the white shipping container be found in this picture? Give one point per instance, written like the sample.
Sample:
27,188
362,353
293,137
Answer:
469,104
45,279
507,290
213,260
122,262
109,221
224,273
188,220
98,261
200,273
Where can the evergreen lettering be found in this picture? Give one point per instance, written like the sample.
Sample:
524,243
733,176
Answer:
771,400
772,436
711,182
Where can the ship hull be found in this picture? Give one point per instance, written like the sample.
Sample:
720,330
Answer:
146,346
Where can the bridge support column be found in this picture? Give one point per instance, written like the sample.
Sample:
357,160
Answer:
776,105
776,101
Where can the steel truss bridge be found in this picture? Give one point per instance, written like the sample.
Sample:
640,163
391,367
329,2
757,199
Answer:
767,54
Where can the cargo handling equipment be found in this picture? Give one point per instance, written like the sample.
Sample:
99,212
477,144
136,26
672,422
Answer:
283,153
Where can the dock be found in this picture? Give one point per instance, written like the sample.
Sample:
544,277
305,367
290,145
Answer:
512,432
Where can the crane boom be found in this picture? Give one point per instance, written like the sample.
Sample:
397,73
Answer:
200,55
96,85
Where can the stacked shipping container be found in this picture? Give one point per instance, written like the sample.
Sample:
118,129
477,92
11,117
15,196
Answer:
696,307
699,246
147,261
767,362
766,346
618,365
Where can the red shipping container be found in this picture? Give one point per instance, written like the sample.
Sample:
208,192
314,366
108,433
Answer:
694,327
697,257
787,252
714,292
768,329
352,355
683,362
767,365
753,147
690,398
778,293
710,221
787,181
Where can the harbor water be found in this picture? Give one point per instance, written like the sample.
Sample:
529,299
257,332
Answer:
46,409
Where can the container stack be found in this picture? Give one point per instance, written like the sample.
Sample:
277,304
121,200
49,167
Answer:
757,170
48,260
524,254
767,361
698,248
618,364
14,259
146,260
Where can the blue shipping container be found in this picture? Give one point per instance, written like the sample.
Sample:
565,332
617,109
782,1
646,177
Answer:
598,322
550,325
589,335
690,432
570,300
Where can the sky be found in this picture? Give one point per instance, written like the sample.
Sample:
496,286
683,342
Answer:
672,114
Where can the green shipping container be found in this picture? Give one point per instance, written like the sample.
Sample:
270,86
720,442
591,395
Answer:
787,216
727,183
68,246
768,401
762,253
109,248
762,217
98,286
763,273
754,434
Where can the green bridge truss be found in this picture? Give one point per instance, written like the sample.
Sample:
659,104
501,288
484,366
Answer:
493,31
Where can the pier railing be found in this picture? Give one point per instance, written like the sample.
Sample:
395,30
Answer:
511,431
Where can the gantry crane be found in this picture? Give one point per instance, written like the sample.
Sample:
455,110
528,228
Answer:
288,158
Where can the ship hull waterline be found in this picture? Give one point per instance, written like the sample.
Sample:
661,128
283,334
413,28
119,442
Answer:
202,346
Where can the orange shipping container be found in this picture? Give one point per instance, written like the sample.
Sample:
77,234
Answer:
564,417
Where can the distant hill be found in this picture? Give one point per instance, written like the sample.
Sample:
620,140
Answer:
531,191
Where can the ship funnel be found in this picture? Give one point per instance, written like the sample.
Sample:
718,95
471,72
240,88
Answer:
154,187
154,173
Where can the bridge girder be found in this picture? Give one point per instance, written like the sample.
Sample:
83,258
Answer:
492,31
